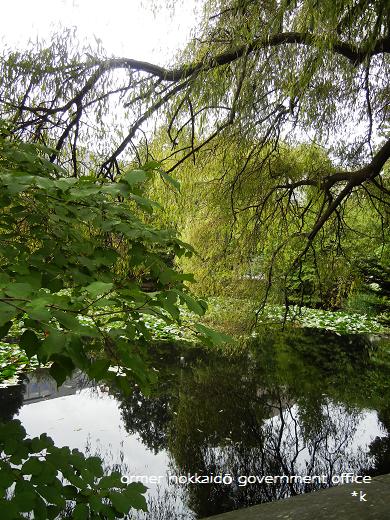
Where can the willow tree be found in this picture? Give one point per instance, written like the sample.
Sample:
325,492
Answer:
257,73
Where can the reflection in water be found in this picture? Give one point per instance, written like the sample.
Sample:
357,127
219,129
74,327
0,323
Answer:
297,403
36,387
380,446
11,400
277,446
41,386
292,405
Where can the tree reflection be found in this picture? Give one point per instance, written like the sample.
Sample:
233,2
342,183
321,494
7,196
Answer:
149,417
263,435
11,400
380,446
290,405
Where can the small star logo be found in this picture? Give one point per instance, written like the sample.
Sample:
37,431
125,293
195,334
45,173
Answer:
354,493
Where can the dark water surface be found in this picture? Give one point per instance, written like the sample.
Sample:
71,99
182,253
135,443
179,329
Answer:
295,403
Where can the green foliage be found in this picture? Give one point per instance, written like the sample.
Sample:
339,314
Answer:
243,318
261,80
14,360
246,245
339,322
40,478
73,256
77,249
372,294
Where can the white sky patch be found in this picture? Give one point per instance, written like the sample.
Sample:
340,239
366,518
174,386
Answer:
125,27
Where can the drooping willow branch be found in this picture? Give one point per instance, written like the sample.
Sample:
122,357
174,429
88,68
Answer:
154,88
100,68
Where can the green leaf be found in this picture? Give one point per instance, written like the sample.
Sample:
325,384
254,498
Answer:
33,278
11,430
95,503
5,328
67,320
173,182
167,276
110,481
151,165
55,343
19,290
98,369
94,465
107,513
121,502
48,474
38,311
44,183
21,268
70,492
4,280
134,492
186,277
59,373
24,501
105,257
40,509
8,510
172,308
65,184
70,322
81,512
7,478
212,336
6,312
30,343
52,494
33,466
53,283
195,306
96,288
76,353
73,478
131,497
115,188
136,488
40,443
134,177
53,512
144,203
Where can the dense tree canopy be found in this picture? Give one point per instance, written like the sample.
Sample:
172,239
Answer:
256,77
275,119
244,251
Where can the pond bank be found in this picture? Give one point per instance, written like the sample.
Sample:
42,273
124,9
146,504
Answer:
327,504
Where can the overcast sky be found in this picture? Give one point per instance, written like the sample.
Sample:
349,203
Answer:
125,27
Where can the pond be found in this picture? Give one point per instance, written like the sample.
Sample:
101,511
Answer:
298,403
